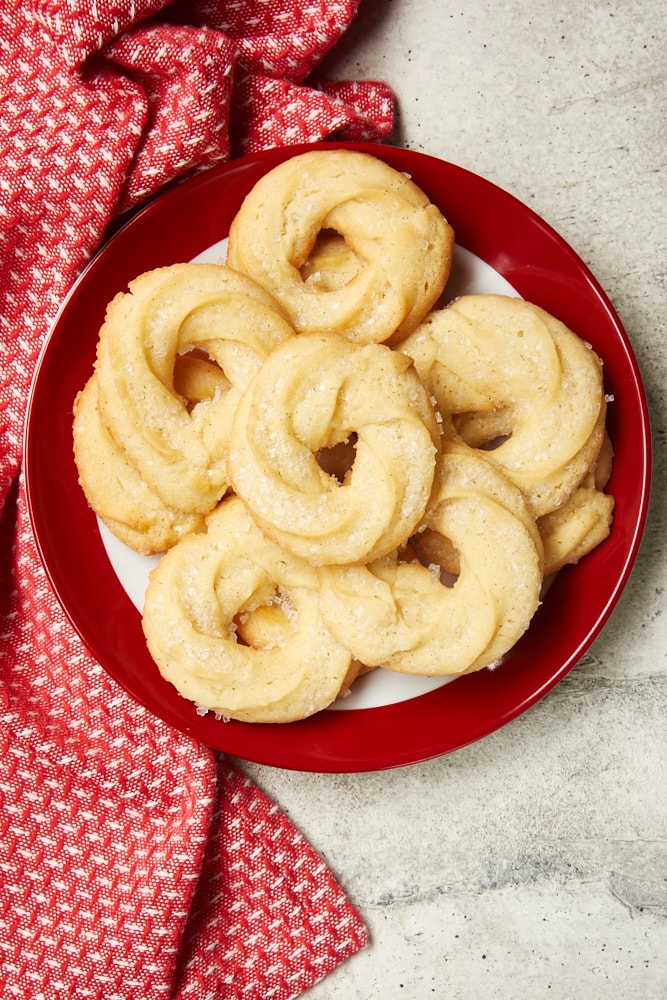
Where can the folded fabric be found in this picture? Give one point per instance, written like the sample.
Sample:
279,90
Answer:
135,862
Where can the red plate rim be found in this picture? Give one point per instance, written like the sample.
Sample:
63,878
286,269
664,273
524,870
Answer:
540,265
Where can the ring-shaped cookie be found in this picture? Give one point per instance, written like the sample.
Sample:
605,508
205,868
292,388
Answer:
194,599
181,450
401,616
314,392
402,244
502,368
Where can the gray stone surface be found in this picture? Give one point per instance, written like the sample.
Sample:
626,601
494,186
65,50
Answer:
533,863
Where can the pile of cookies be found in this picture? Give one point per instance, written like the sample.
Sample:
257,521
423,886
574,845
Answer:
339,471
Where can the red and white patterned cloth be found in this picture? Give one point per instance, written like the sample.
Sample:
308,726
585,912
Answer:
134,863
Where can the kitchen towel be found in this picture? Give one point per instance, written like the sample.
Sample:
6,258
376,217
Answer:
134,862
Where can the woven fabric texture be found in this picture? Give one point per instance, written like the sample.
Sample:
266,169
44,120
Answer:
134,862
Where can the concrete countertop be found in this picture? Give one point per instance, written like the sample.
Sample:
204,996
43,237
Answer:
533,862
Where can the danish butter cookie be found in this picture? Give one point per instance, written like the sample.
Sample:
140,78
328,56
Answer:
511,378
313,393
400,615
196,596
174,354
382,274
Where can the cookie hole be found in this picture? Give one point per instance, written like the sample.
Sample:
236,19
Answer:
437,554
337,461
484,429
268,626
331,263
197,378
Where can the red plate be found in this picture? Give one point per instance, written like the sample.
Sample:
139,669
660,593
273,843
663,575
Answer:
523,249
